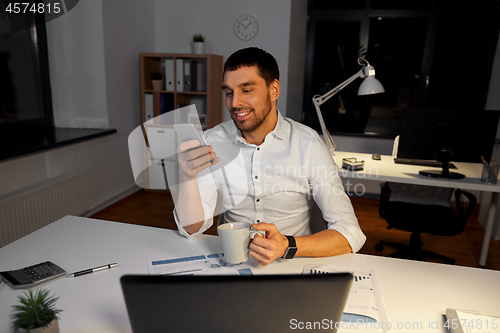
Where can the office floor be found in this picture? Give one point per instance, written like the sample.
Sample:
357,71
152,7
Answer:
155,209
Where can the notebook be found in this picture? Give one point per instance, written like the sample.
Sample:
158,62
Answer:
230,303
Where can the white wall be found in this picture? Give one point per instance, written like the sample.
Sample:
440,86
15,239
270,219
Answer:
296,59
94,58
177,21
493,99
77,80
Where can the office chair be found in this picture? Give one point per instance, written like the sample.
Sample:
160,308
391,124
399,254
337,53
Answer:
417,218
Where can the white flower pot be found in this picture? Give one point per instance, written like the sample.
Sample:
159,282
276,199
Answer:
52,328
157,84
199,47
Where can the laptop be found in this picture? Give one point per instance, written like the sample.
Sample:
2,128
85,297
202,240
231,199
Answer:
232,303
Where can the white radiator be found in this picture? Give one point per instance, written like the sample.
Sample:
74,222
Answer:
34,207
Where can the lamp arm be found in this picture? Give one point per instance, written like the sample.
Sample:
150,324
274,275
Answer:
328,138
319,100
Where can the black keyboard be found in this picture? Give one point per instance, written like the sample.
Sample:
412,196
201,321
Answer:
427,163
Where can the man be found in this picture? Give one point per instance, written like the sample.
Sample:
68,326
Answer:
282,169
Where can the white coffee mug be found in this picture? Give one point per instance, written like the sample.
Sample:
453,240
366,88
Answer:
235,238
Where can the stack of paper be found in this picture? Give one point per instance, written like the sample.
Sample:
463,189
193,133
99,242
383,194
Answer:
203,264
466,321
364,310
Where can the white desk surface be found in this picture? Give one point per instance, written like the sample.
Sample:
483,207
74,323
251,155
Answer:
412,291
386,170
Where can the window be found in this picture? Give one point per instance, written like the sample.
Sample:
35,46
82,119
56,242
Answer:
26,116
25,97
427,53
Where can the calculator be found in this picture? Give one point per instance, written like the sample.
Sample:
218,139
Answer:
32,276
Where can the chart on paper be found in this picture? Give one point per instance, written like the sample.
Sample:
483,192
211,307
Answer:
364,305
186,264
204,264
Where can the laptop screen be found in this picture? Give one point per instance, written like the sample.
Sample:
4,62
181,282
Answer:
227,303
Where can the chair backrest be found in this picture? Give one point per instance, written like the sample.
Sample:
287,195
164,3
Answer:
316,220
425,195
420,194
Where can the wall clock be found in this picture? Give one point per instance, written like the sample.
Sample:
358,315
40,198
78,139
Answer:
246,27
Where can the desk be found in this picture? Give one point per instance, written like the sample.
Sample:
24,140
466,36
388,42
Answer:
386,170
412,291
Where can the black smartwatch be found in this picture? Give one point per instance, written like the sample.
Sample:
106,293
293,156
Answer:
291,249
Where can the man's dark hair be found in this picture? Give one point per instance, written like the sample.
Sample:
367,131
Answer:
253,56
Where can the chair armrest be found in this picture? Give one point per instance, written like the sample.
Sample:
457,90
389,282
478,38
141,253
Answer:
385,194
460,204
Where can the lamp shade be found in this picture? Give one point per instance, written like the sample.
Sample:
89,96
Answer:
370,84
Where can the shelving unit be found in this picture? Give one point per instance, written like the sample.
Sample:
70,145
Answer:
188,79
201,87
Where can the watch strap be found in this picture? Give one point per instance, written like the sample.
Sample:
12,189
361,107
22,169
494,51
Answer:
291,249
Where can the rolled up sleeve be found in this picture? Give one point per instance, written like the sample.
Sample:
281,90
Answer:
329,194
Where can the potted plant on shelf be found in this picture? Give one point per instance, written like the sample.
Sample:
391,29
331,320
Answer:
157,80
36,313
198,44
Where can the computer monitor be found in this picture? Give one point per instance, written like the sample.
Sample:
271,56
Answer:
447,135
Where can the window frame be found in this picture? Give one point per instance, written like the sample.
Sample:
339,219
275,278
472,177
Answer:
39,46
433,17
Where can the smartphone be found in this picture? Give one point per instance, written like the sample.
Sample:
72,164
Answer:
187,132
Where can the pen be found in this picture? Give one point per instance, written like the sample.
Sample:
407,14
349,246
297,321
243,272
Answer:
92,270
488,168
185,271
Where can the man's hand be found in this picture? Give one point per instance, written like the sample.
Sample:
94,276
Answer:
193,160
266,250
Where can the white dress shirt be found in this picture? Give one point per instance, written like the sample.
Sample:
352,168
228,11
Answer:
275,182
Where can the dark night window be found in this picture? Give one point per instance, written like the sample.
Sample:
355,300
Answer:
25,96
431,54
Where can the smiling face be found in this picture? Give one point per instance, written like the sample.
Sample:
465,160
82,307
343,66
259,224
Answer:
251,102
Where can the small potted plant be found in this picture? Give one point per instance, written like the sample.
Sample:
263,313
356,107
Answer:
198,44
36,313
157,80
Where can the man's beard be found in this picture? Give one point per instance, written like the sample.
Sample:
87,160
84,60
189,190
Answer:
257,120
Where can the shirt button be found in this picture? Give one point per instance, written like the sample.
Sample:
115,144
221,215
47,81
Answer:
257,200
258,148
258,220
256,177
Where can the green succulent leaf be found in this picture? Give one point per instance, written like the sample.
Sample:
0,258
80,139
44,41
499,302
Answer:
37,310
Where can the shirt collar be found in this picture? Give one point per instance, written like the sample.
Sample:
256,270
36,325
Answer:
280,130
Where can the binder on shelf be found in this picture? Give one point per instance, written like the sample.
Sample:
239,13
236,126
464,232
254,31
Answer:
169,74
201,76
201,104
163,72
179,73
149,106
182,116
194,75
198,75
166,103
187,75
